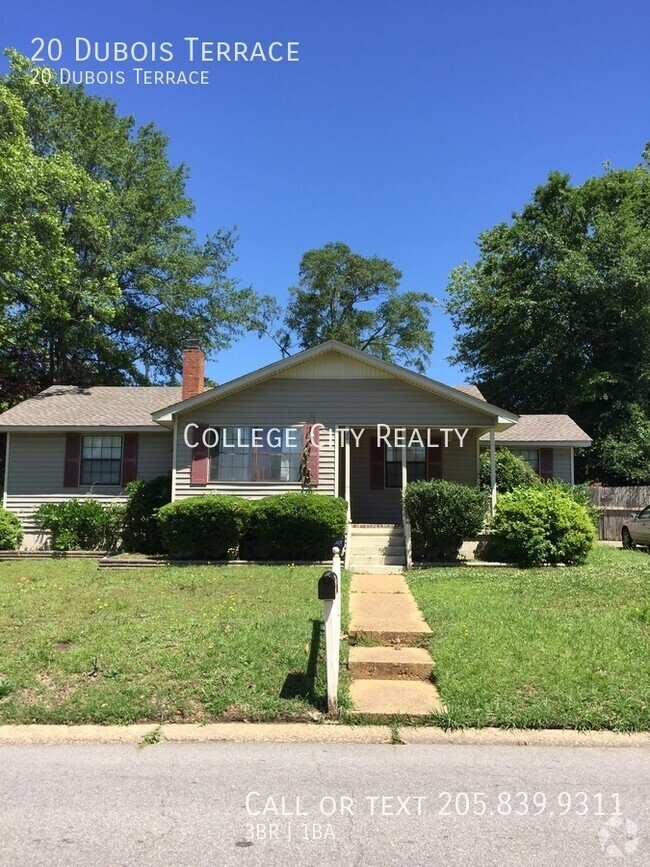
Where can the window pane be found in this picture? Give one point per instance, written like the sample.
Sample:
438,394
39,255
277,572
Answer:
416,471
275,457
101,460
531,456
394,474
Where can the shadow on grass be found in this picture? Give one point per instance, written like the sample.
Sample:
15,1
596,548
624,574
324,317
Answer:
302,684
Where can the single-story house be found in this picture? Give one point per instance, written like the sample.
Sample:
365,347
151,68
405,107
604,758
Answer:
332,418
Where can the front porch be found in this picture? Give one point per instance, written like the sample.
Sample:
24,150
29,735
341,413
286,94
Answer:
371,471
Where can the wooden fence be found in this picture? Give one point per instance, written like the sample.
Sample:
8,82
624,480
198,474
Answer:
615,506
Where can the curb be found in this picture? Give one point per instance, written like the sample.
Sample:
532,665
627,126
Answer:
309,733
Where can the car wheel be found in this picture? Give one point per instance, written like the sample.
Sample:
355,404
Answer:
627,540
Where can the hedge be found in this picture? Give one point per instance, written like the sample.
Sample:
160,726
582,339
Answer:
11,532
141,532
207,527
294,526
81,525
442,514
546,524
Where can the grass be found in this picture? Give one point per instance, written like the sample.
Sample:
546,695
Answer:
555,648
83,645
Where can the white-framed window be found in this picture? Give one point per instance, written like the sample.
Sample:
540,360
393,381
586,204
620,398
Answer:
101,460
275,457
531,456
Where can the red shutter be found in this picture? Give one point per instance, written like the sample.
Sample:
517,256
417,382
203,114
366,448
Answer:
311,434
200,458
377,465
546,469
71,462
129,458
434,459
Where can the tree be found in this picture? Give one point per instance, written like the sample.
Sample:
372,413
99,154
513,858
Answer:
102,278
344,296
555,314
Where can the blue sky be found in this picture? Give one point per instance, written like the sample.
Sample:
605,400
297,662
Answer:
406,128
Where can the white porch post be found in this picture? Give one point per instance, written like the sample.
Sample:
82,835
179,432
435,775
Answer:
406,524
346,483
573,470
346,434
6,479
493,472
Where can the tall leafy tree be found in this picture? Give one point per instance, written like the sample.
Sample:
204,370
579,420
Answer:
554,316
356,299
101,276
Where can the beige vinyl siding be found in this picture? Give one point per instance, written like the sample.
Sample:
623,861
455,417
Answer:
333,365
35,474
562,463
286,402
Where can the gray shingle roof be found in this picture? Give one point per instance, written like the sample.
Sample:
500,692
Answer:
102,406
472,390
542,429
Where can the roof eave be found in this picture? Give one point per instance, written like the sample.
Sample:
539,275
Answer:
80,428
503,417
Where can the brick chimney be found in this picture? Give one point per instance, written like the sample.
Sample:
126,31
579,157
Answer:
193,369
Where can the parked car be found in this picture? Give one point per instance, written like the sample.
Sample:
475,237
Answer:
636,530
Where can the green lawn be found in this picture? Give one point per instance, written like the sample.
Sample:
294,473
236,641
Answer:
565,647
81,645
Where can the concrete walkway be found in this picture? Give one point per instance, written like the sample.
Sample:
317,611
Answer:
392,672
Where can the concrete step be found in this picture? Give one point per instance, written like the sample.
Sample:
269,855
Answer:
390,663
375,569
404,635
389,549
411,698
357,532
369,559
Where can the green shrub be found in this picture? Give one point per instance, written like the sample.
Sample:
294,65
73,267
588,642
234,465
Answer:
579,493
540,525
294,526
208,527
81,525
512,471
11,532
442,514
141,530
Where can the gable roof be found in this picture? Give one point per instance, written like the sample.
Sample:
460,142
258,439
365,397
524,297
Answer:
542,430
503,417
72,406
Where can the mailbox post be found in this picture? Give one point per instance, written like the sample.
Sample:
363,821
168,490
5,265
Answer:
329,590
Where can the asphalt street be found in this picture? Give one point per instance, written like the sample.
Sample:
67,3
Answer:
329,804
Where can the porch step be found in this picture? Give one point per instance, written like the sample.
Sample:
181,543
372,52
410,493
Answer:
376,548
390,549
390,663
390,698
386,532
376,558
